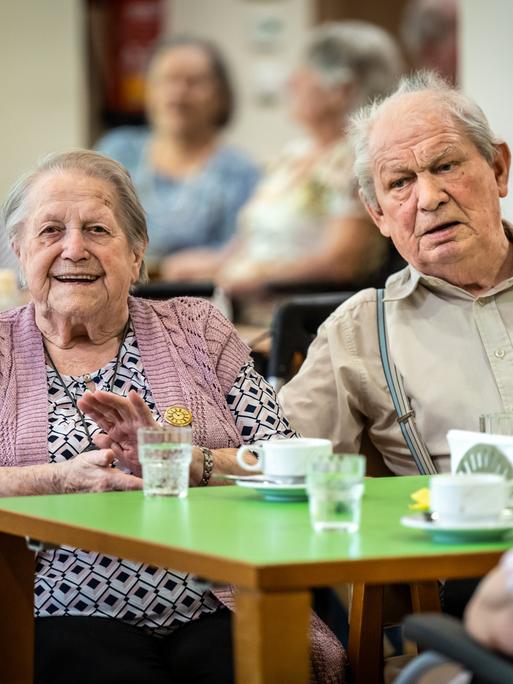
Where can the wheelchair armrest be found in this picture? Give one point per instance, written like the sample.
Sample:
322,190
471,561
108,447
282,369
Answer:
447,636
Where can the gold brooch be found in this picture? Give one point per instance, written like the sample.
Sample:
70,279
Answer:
178,416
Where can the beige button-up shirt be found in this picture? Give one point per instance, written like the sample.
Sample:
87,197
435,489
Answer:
453,350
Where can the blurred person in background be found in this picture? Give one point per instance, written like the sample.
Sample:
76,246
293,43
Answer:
429,31
305,222
7,258
191,185
10,276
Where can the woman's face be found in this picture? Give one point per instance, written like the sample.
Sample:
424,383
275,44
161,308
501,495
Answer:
73,251
183,95
313,102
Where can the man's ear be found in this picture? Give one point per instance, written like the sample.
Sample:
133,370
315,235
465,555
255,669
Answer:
501,166
375,212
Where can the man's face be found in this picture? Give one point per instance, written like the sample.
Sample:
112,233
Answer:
438,198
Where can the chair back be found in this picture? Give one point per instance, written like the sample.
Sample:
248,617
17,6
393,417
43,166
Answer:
294,326
165,290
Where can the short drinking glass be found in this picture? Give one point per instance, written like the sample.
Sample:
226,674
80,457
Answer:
165,455
497,423
335,488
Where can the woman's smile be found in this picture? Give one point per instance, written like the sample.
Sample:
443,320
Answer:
76,279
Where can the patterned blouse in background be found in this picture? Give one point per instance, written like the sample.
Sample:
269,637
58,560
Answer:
290,215
72,581
197,211
295,202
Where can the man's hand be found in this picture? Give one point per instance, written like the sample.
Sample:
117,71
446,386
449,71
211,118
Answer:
119,418
91,471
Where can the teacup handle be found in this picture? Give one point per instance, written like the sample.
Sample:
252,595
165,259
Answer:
243,450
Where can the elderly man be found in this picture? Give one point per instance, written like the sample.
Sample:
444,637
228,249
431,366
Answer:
431,175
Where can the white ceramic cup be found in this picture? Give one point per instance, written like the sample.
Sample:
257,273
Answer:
284,459
472,498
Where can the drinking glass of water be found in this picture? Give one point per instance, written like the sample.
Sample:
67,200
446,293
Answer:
165,454
497,423
335,487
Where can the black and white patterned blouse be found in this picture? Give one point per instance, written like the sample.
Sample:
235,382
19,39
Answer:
71,581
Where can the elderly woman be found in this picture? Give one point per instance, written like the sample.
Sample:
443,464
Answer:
190,184
80,234
305,222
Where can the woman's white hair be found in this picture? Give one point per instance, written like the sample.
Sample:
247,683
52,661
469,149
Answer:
13,212
466,114
358,53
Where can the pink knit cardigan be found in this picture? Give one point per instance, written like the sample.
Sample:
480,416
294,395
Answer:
191,356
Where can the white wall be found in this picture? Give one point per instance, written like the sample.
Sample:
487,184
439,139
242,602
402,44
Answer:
261,128
42,82
43,63
42,70
486,72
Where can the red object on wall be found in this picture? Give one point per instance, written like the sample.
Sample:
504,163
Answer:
131,29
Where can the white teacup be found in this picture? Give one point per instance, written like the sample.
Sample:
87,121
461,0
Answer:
473,498
284,459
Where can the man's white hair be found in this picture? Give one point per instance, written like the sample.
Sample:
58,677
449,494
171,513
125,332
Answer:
466,114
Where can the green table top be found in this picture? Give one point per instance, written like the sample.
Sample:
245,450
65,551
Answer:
234,527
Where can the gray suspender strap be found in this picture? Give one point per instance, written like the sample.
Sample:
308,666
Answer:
405,414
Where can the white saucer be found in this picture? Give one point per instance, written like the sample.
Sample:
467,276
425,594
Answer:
272,491
450,533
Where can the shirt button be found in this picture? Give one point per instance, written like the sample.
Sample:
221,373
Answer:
499,353
482,301
87,377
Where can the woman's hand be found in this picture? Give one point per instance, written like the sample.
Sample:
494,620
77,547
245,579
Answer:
91,471
245,277
191,264
119,418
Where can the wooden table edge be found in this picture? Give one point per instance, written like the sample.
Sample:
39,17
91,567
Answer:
251,575
209,566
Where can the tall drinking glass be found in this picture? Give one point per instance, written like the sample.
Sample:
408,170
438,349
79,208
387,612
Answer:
497,423
165,454
335,489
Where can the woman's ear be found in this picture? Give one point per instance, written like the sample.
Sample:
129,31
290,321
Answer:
14,242
138,253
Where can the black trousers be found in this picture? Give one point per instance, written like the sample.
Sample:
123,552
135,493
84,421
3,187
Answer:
455,594
93,650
